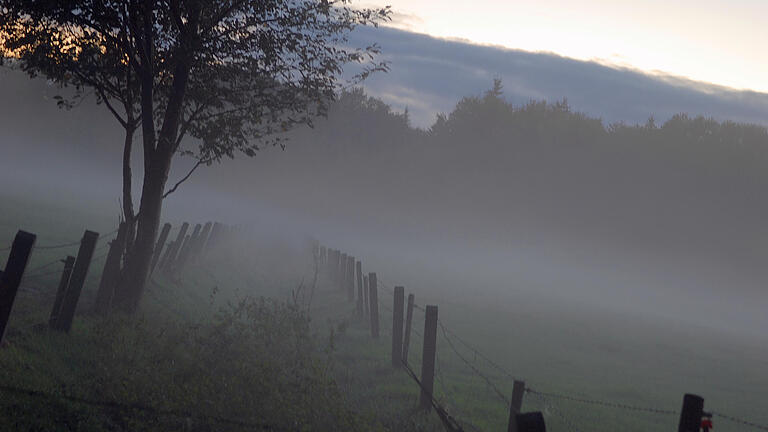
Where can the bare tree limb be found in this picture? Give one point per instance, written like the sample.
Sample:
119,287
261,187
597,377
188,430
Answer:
178,183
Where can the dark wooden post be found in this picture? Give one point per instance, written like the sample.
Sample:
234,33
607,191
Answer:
213,238
159,246
350,279
397,326
321,263
359,271
10,278
530,422
111,273
188,248
202,240
516,406
408,321
170,261
428,357
366,301
69,262
342,272
690,416
373,295
76,281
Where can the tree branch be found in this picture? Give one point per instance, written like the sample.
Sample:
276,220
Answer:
176,186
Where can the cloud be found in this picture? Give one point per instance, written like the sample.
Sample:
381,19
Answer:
438,72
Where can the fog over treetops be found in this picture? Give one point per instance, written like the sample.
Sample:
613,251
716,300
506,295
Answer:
493,195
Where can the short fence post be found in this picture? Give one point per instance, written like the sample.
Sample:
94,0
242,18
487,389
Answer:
342,272
61,291
321,258
408,322
359,271
213,238
202,240
186,251
516,406
374,297
76,281
173,250
111,272
530,422
397,326
350,280
690,416
159,246
10,278
173,267
366,302
428,358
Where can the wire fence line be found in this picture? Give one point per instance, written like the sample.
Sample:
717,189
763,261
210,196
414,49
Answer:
546,397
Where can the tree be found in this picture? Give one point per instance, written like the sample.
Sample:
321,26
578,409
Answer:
230,74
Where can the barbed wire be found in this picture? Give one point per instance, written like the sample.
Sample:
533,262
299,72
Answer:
139,407
547,404
740,421
603,403
487,380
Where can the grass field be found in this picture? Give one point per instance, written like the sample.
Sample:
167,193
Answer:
576,350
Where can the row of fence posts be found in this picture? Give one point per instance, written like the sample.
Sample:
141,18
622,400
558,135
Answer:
341,269
171,259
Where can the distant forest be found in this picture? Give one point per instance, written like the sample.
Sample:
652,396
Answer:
490,172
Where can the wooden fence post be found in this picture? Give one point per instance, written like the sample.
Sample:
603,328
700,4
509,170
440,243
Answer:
350,280
428,357
374,297
408,321
359,271
111,273
188,248
174,265
321,263
690,415
366,301
202,240
76,281
213,238
397,326
342,272
61,291
530,422
173,250
516,406
159,246
10,278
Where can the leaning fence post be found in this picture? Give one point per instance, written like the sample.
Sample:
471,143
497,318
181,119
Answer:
359,271
10,278
408,321
530,422
111,272
76,281
397,327
342,272
366,303
516,406
173,249
159,246
69,262
690,416
428,357
350,279
374,297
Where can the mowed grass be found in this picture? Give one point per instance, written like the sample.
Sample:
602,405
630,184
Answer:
565,349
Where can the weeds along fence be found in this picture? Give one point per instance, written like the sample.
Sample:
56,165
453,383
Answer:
170,257
345,272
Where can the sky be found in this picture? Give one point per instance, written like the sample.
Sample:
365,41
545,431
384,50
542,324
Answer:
714,41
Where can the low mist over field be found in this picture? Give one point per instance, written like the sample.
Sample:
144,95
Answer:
663,217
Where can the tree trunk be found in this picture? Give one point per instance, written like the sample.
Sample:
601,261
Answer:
128,213
134,278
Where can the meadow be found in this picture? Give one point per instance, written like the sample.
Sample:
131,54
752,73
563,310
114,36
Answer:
172,355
